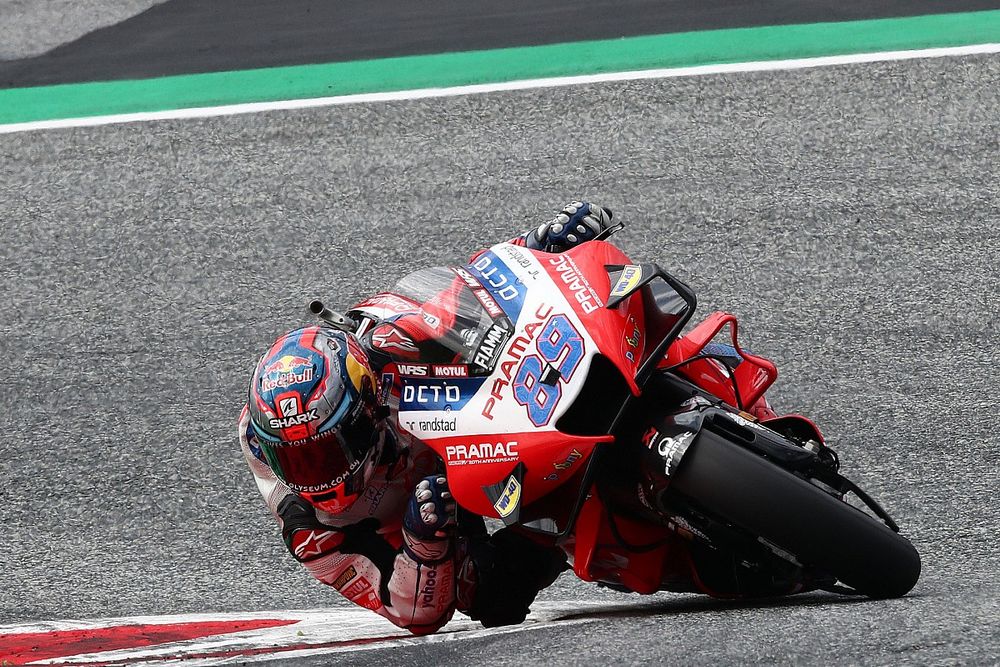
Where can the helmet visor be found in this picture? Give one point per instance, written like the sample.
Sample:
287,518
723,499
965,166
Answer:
311,465
328,461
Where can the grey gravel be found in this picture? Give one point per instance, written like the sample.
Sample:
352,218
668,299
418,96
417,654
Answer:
850,216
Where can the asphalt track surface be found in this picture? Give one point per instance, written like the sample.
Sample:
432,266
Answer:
848,215
188,36
32,27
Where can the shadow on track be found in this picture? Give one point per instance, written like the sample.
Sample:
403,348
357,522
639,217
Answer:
705,604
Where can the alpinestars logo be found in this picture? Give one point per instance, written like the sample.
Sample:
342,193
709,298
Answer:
390,338
309,545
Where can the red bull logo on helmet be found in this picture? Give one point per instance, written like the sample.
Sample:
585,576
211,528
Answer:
286,371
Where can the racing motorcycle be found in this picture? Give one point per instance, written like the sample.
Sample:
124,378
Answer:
563,399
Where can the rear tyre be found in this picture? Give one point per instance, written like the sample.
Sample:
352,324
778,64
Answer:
738,487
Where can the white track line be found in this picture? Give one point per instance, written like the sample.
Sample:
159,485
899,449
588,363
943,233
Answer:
424,93
316,632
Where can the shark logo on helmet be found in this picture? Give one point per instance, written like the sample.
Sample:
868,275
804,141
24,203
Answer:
293,420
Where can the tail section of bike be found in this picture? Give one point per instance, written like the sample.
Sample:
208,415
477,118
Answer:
743,385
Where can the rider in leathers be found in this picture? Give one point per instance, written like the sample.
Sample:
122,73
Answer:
383,531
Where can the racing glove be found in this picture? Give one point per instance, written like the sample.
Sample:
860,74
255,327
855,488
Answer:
579,221
429,521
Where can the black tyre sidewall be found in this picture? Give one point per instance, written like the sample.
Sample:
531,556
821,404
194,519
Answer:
733,484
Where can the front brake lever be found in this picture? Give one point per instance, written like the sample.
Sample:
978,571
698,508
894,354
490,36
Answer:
609,231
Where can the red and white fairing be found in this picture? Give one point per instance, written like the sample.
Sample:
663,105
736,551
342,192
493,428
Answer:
558,324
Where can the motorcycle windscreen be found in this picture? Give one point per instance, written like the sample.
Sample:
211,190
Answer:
457,314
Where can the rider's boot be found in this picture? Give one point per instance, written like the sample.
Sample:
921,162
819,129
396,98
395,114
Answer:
502,573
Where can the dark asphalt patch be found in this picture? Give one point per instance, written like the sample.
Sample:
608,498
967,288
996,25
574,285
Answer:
190,36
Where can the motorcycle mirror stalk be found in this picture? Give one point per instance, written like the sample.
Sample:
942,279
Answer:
331,317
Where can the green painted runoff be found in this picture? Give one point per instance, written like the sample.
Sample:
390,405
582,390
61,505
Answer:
19,105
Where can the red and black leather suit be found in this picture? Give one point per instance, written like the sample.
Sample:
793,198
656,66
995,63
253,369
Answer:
360,551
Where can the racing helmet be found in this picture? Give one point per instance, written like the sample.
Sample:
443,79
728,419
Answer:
314,413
